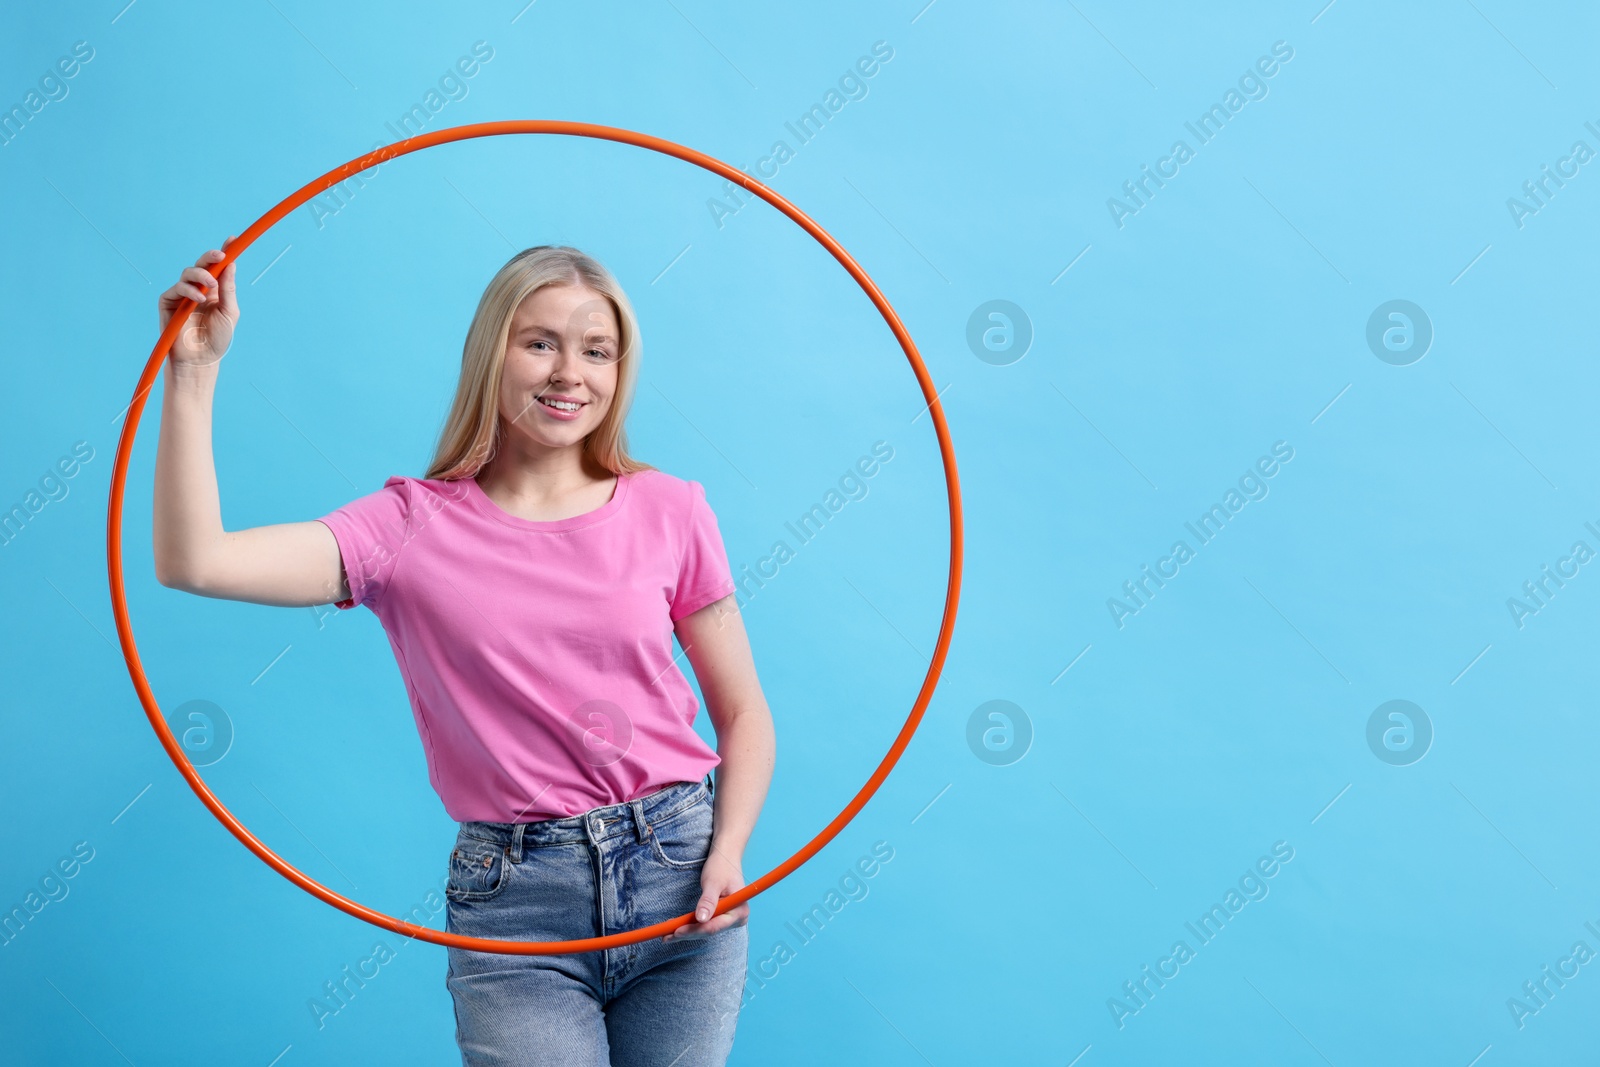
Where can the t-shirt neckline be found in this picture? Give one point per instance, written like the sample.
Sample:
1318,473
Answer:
488,507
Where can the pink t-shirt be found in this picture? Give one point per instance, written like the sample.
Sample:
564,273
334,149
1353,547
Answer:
538,656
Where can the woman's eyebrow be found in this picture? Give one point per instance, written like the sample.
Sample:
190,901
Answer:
547,332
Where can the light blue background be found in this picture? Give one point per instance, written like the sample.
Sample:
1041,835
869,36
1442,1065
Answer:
1229,313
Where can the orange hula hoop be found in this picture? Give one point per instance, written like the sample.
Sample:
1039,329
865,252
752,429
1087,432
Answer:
413,144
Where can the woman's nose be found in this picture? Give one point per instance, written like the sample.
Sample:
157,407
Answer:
567,365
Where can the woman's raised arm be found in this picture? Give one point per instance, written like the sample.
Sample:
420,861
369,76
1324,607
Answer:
289,564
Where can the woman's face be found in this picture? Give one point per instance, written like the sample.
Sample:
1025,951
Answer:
562,349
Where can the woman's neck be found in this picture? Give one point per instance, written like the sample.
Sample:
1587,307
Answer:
539,481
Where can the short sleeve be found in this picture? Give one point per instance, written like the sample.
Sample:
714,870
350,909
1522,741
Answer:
703,574
371,530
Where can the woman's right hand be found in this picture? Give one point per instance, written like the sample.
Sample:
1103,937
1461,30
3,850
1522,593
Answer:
208,330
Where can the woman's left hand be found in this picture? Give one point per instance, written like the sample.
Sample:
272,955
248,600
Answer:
719,877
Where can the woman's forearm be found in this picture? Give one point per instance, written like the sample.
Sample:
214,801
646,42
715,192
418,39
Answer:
187,512
748,747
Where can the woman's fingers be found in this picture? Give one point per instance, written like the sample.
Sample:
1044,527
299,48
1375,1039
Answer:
205,287
706,929
734,917
227,292
215,298
181,291
200,279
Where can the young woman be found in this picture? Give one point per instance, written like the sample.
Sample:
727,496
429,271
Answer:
527,585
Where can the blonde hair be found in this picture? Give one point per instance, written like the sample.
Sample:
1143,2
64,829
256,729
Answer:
471,434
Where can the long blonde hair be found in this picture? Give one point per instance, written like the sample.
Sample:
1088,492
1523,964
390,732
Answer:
471,434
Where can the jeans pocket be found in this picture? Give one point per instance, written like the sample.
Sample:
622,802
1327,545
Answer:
682,840
479,870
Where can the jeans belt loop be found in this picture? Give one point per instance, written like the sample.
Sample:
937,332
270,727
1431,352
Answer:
641,828
516,842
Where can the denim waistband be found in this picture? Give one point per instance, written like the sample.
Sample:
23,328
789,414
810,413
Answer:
632,817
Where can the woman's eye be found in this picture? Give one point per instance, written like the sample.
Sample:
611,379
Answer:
599,355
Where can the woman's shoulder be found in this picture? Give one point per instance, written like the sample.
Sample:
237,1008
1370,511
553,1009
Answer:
412,488
403,494
656,479
659,487
447,488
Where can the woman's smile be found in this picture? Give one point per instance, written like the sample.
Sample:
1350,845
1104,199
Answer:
560,407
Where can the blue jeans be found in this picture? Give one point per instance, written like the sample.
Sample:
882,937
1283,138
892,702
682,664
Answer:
608,870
